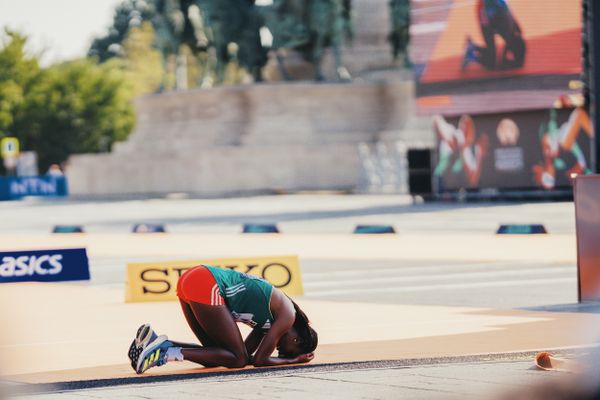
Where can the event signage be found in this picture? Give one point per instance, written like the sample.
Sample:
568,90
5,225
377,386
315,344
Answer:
527,150
496,56
9,147
44,266
17,187
157,281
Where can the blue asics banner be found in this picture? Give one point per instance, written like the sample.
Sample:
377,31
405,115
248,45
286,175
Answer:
44,266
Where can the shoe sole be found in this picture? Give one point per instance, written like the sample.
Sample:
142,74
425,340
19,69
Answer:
134,353
149,349
143,335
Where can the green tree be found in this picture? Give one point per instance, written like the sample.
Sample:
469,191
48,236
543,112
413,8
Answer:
142,62
18,73
78,107
73,107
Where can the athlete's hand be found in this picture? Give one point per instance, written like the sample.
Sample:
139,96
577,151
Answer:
304,358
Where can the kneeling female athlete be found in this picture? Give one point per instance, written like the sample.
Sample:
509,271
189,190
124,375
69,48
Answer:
213,300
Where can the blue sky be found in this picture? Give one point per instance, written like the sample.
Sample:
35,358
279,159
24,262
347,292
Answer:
63,28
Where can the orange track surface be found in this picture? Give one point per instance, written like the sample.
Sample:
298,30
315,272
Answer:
57,332
66,332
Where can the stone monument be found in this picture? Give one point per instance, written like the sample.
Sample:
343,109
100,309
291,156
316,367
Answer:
272,137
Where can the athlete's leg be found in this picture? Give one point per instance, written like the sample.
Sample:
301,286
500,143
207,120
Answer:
197,284
486,56
229,350
513,55
210,320
195,327
578,120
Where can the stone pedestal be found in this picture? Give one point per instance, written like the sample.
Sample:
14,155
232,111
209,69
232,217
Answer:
256,139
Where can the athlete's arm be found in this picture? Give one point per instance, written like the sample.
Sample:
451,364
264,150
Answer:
282,324
284,315
253,340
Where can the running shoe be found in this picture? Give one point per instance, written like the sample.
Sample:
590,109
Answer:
153,355
145,334
469,55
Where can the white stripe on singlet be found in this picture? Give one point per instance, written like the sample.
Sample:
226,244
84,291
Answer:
234,288
215,296
233,293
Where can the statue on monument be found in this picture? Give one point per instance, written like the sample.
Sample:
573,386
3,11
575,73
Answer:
169,23
309,26
237,22
127,14
222,32
399,36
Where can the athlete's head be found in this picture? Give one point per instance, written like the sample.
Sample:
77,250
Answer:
300,339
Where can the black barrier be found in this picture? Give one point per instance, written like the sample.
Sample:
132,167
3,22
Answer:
419,171
520,229
148,228
260,228
67,229
374,229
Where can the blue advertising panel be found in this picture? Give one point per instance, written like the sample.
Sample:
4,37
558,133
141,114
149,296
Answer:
17,187
44,266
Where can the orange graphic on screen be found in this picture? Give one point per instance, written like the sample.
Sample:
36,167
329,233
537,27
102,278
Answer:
497,38
555,139
460,149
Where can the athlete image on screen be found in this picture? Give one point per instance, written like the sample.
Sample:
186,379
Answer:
458,146
496,18
555,139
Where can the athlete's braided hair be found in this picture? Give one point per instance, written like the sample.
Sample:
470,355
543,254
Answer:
307,334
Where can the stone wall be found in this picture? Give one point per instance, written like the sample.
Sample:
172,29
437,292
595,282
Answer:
255,139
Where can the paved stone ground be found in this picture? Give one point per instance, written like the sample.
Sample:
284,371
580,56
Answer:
459,380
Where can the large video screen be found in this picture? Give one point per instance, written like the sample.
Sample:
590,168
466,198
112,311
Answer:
510,151
481,56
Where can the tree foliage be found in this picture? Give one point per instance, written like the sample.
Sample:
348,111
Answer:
128,14
18,73
141,61
194,33
73,107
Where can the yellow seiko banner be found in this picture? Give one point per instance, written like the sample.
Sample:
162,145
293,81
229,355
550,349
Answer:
157,281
